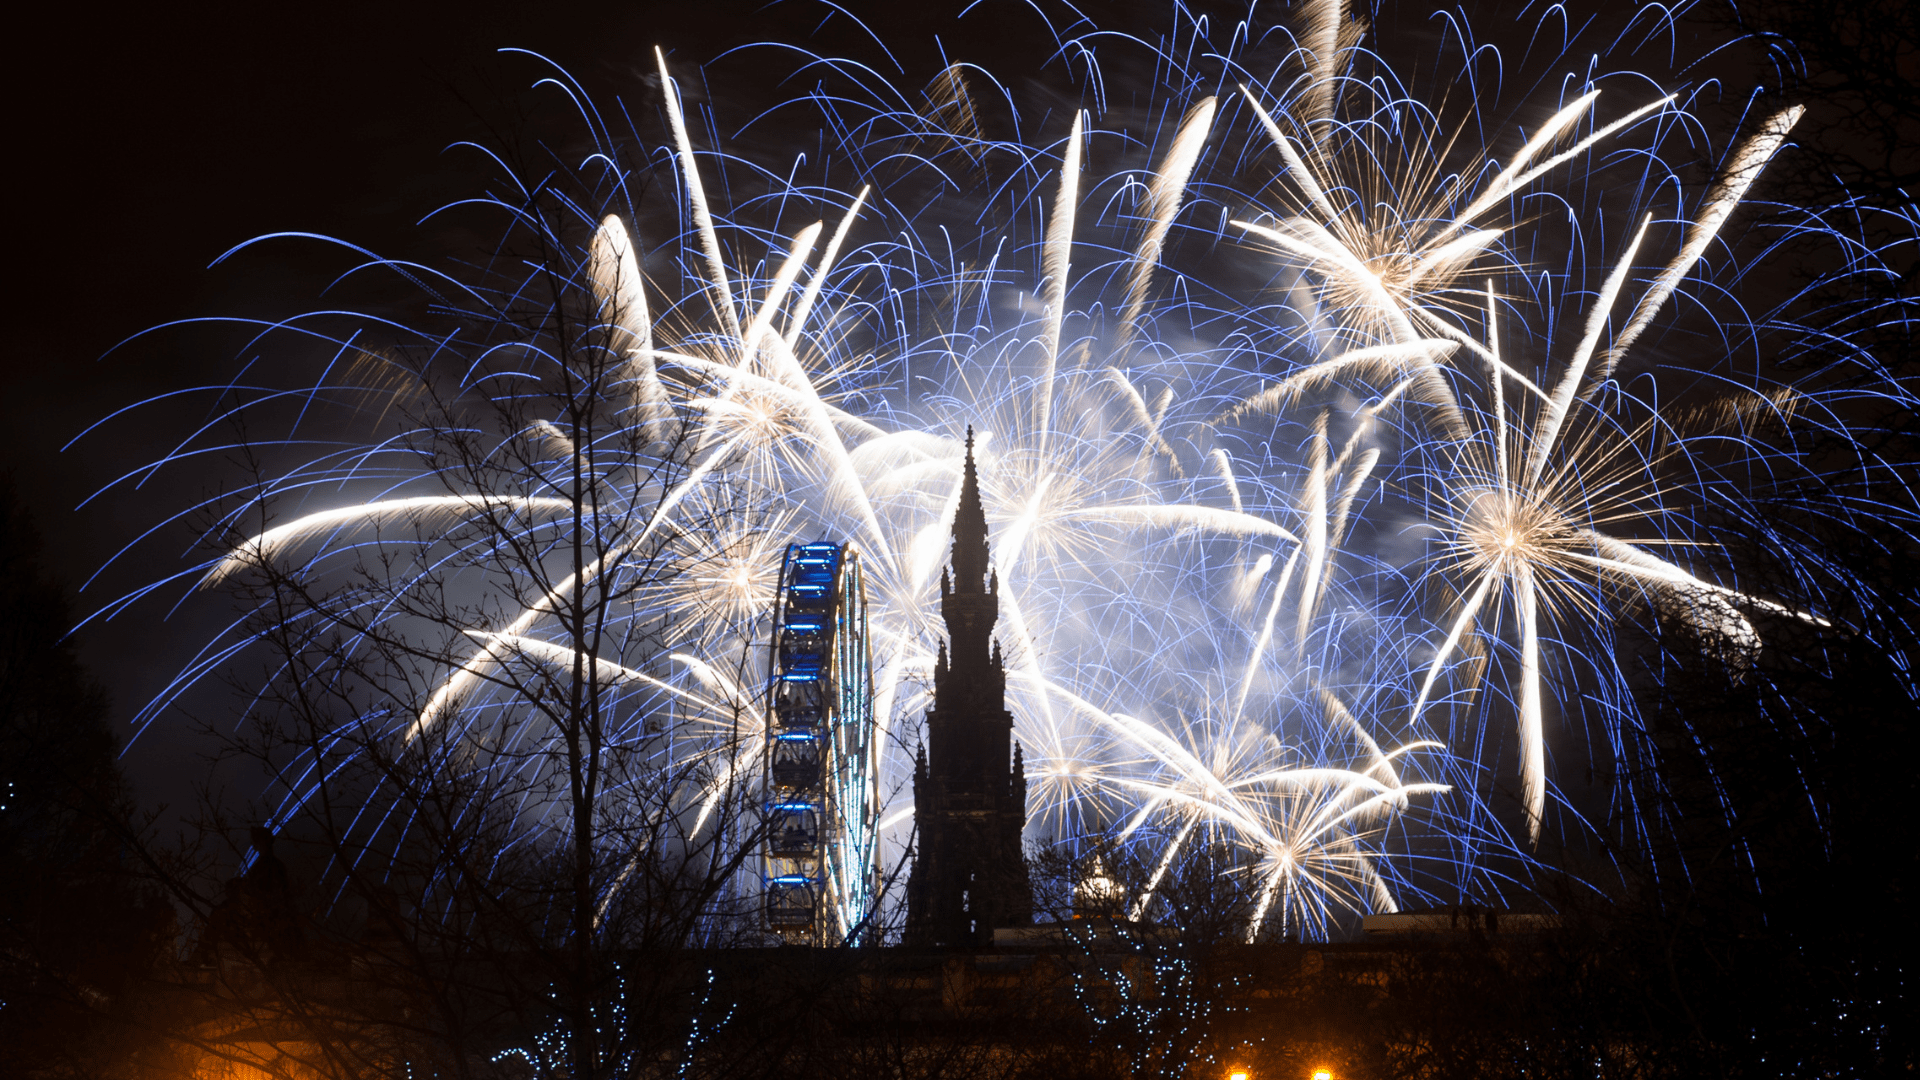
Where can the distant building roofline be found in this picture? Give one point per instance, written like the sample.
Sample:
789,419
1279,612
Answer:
1464,920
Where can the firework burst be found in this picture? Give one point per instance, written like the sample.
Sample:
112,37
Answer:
799,361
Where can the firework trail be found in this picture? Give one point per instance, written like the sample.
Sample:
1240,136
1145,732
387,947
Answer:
1520,504
1187,480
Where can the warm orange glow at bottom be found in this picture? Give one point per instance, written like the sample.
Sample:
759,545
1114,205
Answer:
1238,1074
1322,1074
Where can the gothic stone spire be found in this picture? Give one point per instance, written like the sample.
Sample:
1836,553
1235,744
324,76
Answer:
970,561
970,795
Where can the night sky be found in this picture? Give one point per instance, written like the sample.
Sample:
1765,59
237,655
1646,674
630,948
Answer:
155,140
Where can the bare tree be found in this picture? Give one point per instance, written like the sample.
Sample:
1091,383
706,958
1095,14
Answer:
501,805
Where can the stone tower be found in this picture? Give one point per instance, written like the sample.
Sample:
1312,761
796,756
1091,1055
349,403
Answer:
969,784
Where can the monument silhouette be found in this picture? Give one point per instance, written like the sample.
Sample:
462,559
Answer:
969,782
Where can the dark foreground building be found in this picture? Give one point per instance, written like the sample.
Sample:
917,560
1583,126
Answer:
969,785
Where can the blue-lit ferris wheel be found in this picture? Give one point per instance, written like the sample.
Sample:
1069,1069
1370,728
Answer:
821,781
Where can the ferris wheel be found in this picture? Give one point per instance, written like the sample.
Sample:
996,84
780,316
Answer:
821,781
